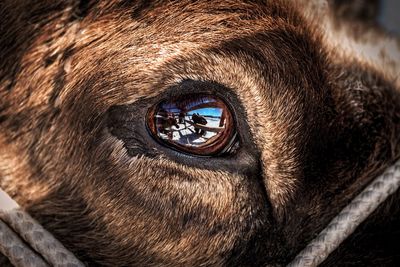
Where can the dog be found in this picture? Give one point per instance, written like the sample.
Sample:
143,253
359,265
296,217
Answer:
314,93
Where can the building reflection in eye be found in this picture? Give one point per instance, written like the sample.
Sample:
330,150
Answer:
195,122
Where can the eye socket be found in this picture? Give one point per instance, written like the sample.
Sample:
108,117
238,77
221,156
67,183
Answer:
199,124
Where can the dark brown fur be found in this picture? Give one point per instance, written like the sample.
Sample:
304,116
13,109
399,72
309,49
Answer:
315,126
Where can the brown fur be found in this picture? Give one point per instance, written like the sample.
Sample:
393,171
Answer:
317,122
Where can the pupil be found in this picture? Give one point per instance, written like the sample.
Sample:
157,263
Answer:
199,124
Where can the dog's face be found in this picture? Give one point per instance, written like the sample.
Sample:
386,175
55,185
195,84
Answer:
308,124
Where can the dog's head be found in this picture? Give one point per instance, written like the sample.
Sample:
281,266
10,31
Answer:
313,119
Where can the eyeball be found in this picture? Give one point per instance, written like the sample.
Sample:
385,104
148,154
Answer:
198,124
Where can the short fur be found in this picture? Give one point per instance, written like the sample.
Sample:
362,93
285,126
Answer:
318,111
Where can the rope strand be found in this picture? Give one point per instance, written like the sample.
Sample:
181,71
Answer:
344,224
34,234
16,250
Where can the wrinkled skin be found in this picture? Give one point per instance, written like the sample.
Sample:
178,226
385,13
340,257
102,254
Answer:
316,99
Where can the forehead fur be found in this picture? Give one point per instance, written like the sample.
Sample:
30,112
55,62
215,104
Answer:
139,47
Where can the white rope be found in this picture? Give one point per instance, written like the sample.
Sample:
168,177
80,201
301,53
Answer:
344,224
16,250
15,221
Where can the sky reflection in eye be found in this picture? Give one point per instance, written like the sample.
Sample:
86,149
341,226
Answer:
199,124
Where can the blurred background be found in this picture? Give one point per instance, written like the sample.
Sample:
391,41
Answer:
385,13
390,15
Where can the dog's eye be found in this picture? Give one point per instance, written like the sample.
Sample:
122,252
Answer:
199,124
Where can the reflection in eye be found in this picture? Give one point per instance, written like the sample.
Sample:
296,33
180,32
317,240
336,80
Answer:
197,124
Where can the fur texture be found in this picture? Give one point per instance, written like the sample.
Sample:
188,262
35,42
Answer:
317,106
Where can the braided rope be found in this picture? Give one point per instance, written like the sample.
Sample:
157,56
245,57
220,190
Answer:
16,250
42,242
349,218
